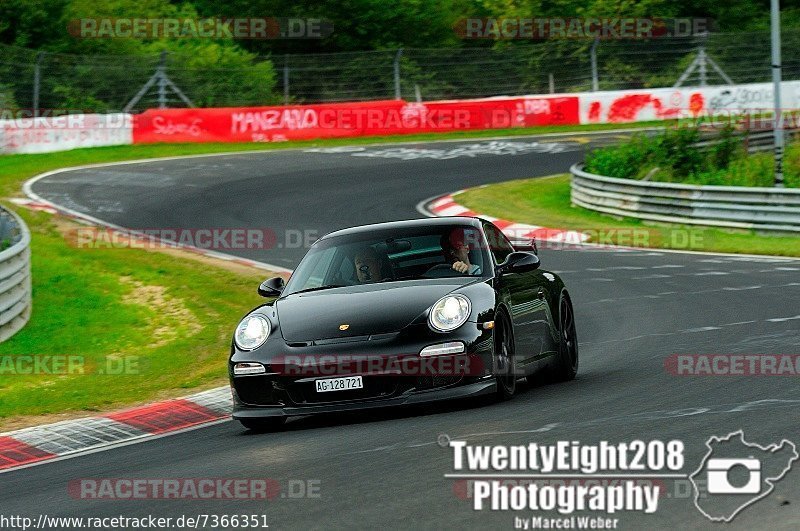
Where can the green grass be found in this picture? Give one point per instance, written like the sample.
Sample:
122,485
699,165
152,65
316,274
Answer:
546,202
170,320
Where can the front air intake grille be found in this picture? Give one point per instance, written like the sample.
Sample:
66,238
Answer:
256,390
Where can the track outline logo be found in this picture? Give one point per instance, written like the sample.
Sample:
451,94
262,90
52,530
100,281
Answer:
769,481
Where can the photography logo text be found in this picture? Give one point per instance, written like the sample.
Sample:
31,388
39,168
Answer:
628,462
575,480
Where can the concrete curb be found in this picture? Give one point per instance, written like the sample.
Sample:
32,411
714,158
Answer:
446,205
40,444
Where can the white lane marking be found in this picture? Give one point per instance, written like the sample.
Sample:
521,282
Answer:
782,319
711,273
378,449
691,293
759,258
690,330
612,268
420,445
667,266
494,147
651,277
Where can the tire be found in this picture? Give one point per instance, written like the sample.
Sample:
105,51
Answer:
566,366
263,425
505,366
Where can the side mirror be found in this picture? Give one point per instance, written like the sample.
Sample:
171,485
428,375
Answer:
519,262
272,287
526,245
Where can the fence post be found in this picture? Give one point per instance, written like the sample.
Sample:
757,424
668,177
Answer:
777,75
286,79
37,76
162,80
552,82
595,77
701,66
397,92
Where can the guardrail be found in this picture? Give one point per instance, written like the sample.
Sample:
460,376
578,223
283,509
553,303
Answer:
765,209
753,142
15,274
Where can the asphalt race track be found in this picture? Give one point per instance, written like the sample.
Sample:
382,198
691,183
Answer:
634,310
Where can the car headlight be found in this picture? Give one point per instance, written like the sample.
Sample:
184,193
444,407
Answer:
252,332
449,313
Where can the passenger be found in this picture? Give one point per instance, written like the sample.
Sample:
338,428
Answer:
368,265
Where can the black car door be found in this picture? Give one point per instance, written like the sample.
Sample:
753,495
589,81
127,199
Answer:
527,298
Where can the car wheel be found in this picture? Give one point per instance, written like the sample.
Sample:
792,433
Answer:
567,363
505,367
263,425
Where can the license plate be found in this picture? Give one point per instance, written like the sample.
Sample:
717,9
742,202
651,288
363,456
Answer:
339,384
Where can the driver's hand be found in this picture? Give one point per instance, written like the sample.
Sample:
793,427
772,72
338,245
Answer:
461,267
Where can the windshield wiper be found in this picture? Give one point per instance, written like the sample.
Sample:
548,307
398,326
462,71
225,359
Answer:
328,286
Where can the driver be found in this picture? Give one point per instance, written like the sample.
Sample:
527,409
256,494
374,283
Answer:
456,246
368,265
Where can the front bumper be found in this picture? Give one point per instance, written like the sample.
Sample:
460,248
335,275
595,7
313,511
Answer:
288,388
479,388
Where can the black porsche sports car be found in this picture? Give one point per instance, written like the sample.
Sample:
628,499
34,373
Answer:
401,313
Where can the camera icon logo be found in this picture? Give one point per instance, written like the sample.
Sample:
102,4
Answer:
735,474
718,472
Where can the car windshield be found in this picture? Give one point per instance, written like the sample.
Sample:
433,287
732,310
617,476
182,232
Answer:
382,255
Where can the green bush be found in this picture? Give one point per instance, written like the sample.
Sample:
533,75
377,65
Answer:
675,149
622,160
729,148
673,156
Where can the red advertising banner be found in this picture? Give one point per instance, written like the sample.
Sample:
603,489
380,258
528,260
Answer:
306,122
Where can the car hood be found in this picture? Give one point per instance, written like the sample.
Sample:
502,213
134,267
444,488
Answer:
367,309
